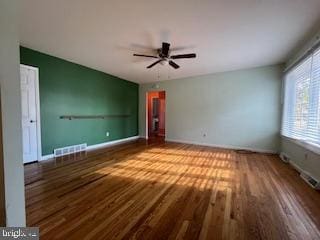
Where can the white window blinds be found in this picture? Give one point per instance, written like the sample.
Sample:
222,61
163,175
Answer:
301,110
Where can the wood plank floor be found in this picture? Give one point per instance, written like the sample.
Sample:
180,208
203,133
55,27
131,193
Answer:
162,190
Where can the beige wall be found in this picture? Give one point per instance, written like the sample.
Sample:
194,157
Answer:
239,109
11,113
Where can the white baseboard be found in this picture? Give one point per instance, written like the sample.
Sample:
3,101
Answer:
301,170
222,146
296,167
111,143
47,157
115,142
97,146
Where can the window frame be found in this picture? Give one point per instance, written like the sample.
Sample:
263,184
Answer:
308,144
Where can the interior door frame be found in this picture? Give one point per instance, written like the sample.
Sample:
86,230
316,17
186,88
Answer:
38,122
147,115
147,109
2,185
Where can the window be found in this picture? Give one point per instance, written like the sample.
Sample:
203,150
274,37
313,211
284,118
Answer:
301,110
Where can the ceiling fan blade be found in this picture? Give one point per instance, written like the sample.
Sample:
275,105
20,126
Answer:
190,55
150,66
165,49
142,55
174,65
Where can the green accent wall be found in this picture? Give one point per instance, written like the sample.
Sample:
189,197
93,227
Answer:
67,88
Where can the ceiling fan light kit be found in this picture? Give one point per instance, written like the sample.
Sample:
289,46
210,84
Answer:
164,57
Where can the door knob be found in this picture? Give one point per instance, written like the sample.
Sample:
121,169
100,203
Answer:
32,121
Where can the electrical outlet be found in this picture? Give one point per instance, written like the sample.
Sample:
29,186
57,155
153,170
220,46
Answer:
107,134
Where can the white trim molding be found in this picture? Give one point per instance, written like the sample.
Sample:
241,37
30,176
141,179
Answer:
100,145
301,171
111,143
222,146
46,157
297,167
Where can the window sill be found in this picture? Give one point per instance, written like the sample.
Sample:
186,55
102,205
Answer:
307,145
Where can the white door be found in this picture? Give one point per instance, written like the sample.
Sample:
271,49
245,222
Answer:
29,113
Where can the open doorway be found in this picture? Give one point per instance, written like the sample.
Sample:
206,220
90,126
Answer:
156,105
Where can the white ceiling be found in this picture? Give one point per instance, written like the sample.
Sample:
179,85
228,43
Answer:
225,34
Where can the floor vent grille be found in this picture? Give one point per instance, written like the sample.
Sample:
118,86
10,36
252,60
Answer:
69,150
311,181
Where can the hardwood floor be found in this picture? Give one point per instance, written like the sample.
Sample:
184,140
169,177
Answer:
170,191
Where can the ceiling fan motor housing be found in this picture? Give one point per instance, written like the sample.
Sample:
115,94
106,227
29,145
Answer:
164,57
161,55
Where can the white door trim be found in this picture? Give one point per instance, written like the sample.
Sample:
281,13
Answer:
38,122
147,114
147,110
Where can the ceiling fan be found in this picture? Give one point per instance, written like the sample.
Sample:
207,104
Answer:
164,56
